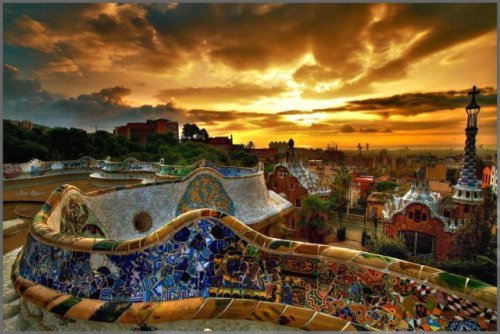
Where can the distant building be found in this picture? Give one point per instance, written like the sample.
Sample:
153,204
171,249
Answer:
139,131
361,187
265,154
281,146
436,172
486,177
443,188
417,218
494,179
225,143
375,205
425,221
294,182
334,156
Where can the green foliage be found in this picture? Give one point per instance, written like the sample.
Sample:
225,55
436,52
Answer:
313,204
389,247
21,145
480,268
385,186
191,132
268,169
313,207
473,237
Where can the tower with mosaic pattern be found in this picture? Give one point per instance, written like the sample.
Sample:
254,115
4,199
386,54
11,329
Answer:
467,192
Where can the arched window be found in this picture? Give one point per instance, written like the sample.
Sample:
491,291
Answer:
424,217
410,215
419,244
297,203
417,216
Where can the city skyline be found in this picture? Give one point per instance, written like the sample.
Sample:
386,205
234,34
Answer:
393,75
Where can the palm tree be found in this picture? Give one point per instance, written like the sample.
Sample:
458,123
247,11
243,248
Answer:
338,200
314,206
343,178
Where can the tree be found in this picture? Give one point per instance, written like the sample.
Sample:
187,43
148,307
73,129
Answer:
389,247
337,202
249,160
313,207
385,186
250,146
473,236
191,132
155,140
343,178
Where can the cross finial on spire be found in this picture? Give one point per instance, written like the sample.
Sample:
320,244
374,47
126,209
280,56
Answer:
474,92
473,105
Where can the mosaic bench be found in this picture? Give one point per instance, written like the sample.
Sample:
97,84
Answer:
205,264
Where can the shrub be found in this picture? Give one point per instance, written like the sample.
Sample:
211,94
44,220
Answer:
389,247
480,268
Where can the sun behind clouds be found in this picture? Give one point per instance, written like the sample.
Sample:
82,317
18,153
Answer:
381,73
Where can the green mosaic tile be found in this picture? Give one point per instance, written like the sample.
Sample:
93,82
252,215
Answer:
105,245
110,311
63,307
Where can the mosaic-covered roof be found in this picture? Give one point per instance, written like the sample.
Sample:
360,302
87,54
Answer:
419,193
307,179
111,212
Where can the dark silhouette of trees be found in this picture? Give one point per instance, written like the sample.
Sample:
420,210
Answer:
191,132
22,145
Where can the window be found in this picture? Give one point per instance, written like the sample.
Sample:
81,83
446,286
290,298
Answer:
297,203
292,224
466,209
424,217
291,186
418,243
417,216
410,214
467,194
282,173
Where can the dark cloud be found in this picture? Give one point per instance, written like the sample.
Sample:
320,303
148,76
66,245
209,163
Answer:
16,87
346,128
416,103
251,36
236,92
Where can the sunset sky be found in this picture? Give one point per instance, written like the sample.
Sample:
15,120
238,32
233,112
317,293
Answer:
388,74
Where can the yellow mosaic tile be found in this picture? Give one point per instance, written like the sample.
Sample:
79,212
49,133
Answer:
340,253
212,308
306,248
84,309
487,295
428,272
295,316
267,312
372,260
406,269
323,322
260,240
240,309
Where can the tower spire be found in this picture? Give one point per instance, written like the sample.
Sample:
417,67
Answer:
467,190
